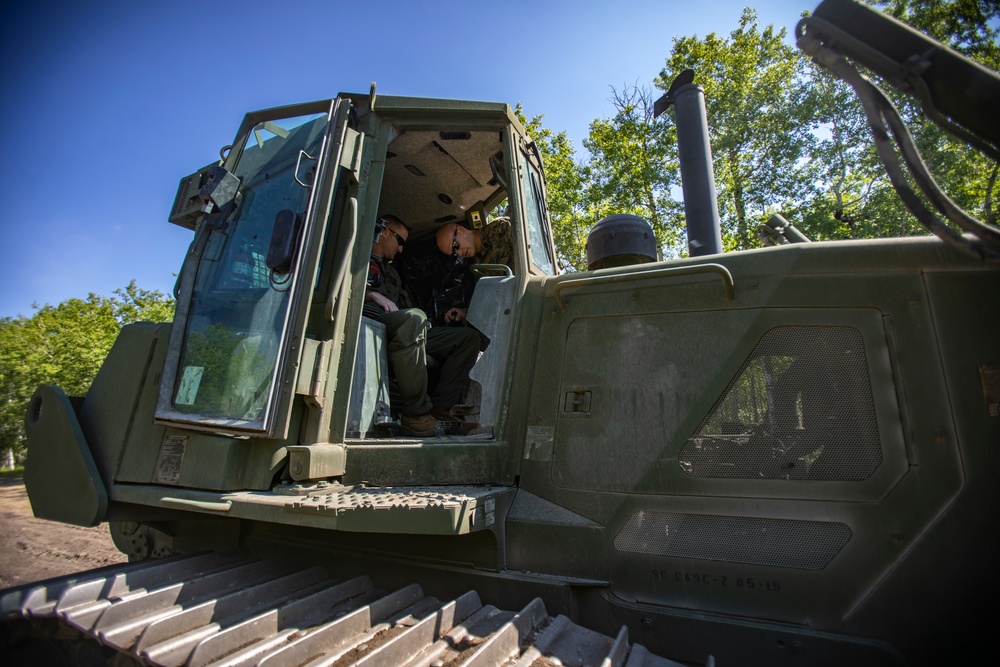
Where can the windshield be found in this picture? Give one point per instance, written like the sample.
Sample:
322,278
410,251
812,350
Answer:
237,318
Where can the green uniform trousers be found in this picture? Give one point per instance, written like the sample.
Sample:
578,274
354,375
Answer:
455,349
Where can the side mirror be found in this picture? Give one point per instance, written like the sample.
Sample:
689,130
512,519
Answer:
284,241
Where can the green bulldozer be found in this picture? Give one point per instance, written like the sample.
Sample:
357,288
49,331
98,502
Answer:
781,456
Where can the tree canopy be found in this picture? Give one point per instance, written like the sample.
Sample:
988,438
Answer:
65,345
786,136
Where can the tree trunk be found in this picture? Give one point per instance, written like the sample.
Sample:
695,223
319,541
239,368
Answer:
741,215
991,216
739,203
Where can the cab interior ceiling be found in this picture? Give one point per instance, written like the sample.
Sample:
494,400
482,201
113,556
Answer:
434,177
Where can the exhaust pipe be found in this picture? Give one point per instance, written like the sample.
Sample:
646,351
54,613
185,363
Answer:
701,204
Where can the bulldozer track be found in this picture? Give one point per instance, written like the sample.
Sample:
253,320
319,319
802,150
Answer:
230,610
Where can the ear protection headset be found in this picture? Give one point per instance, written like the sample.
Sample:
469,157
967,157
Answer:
380,226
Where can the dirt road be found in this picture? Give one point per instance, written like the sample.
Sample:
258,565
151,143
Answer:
33,549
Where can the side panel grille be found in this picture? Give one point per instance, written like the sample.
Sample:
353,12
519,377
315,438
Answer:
800,407
802,545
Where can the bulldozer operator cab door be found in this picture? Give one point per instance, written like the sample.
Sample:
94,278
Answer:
541,250
246,286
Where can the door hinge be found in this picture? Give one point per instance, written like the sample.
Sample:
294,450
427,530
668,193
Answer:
311,382
350,155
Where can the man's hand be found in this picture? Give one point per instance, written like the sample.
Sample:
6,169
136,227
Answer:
455,315
383,301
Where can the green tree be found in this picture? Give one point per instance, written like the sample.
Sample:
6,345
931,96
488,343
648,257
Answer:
971,28
564,192
753,85
64,345
852,196
849,195
787,137
633,166
968,26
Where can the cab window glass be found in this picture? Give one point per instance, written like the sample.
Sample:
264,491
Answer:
239,308
537,222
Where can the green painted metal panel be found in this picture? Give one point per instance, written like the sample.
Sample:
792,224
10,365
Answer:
60,474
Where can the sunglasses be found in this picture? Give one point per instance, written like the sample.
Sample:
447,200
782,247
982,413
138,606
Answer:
399,239
454,242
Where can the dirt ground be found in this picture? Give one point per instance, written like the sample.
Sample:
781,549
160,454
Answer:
32,549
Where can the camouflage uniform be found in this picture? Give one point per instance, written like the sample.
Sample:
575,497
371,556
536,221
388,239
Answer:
498,244
411,341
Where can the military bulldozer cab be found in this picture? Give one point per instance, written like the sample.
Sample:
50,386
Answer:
269,341
777,456
270,297
271,380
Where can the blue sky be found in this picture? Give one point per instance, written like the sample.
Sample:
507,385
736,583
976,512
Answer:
107,104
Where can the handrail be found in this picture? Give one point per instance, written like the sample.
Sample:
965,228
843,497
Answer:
481,268
298,162
718,269
338,282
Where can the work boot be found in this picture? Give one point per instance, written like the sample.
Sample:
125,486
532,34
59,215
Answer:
421,426
442,414
450,425
462,410
453,420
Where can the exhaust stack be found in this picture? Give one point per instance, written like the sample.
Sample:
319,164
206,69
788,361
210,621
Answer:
701,205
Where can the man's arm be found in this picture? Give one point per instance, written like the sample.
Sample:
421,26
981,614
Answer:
383,301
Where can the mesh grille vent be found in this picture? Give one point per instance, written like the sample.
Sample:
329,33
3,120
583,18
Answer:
800,407
184,194
802,545
187,198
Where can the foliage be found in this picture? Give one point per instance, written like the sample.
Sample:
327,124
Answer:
65,345
633,166
968,26
753,84
849,195
855,198
786,137
234,367
564,185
